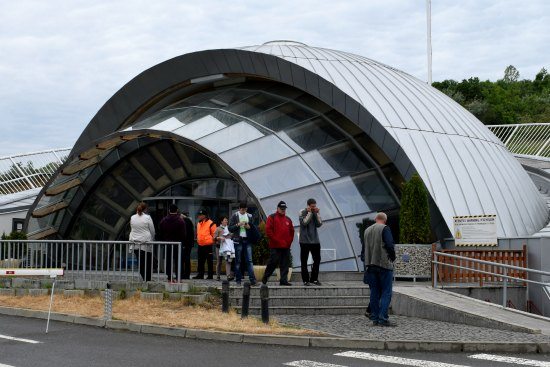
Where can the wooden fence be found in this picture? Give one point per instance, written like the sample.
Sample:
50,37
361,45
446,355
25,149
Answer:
454,275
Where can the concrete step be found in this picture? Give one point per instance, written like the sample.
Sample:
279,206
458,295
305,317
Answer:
297,291
331,276
311,310
306,301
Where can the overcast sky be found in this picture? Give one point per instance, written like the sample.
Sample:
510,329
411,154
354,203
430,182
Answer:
61,60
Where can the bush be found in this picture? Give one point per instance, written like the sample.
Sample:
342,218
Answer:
15,235
260,251
414,218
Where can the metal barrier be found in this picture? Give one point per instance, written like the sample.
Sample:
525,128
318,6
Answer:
525,139
95,260
497,276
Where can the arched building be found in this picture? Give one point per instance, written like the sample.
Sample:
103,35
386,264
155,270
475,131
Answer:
283,121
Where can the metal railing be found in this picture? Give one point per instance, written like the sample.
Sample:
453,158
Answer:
96,260
501,276
30,170
525,139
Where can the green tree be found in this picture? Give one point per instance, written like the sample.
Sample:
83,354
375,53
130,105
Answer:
511,74
414,215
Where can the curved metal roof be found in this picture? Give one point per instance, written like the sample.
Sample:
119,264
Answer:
466,169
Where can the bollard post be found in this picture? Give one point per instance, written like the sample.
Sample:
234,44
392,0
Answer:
108,309
504,288
264,296
225,296
246,300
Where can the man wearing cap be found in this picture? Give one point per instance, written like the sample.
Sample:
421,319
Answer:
280,231
205,239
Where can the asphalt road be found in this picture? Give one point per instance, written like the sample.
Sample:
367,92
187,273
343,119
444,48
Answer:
76,345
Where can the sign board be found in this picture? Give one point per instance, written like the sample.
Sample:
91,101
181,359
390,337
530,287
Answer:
475,230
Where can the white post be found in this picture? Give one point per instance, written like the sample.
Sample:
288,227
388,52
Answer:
429,38
51,302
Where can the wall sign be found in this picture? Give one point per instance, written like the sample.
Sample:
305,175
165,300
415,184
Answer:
475,230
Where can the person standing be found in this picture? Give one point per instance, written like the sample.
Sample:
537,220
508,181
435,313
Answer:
142,230
378,254
172,229
225,249
187,246
205,239
280,231
310,220
241,226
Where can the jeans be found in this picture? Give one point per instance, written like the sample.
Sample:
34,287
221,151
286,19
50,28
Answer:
380,284
240,246
305,249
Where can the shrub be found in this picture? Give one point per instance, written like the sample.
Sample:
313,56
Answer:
414,218
260,251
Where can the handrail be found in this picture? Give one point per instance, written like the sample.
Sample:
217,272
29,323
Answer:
504,276
525,140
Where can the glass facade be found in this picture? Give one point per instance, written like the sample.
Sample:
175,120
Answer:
280,142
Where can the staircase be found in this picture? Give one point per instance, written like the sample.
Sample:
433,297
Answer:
344,296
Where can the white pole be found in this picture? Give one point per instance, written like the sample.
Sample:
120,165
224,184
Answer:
51,301
429,38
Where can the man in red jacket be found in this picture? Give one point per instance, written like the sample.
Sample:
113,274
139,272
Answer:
280,231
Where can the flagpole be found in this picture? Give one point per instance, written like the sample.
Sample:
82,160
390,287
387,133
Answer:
429,39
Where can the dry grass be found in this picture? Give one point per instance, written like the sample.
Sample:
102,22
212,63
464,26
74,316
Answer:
166,313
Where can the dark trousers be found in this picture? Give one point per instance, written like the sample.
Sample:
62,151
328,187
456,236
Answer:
186,262
145,260
380,284
171,266
305,249
205,254
281,257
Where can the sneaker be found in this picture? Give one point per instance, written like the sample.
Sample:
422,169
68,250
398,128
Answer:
317,283
252,284
210,277
218,278
230,278
198,277
285,284
386,323
375,323
306,284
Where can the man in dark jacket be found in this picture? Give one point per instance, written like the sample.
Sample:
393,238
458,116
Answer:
187,246
310,220
378,254
172,229
241,226
280,231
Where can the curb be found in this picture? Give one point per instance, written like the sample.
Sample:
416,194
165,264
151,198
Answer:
300,341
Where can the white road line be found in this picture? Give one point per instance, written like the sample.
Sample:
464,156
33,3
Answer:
520,361
5,365
18,340
304,363
396,360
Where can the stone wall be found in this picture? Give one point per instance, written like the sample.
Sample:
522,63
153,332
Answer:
413,261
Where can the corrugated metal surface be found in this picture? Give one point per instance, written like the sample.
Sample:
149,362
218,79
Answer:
466,169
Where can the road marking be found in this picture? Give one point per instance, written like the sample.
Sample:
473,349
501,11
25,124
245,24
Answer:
18,340
5,365
521,361
396,360
304,363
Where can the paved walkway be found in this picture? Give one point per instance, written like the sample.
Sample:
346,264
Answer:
408,328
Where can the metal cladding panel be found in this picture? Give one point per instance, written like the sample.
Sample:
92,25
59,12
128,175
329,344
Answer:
465,167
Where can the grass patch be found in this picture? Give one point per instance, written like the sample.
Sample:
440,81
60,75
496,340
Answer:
175,313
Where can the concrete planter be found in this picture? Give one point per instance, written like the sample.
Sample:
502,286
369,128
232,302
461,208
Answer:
278,274
259,271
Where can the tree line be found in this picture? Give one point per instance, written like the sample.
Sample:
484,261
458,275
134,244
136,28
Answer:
507,101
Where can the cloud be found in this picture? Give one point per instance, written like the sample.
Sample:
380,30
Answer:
61,60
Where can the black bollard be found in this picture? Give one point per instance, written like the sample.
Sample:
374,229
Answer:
225,296
246,300
264,296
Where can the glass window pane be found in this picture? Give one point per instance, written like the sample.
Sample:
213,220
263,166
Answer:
150,164
255,104
255,154
360,194
98,209
227,98
230,137
282,117
314,134
292,173
296,201
353,223
112,189
129,174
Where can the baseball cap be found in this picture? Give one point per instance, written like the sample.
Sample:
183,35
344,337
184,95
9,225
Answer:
281,205
202,212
